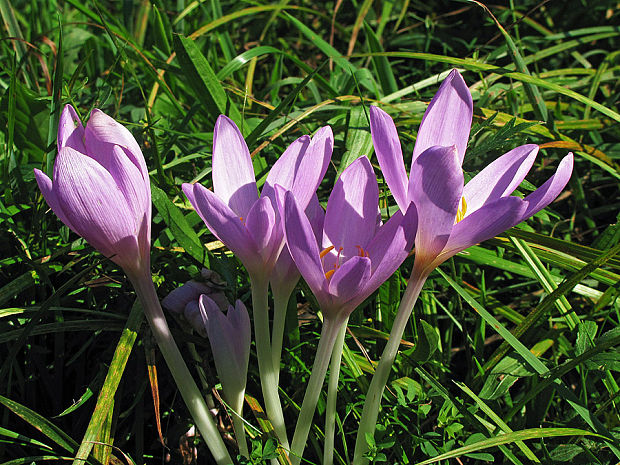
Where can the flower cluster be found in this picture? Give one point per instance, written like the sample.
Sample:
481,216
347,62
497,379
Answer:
101,190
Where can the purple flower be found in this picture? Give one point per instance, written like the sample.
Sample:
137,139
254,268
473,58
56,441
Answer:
229,336
453,217
101,188
285,274
356,253
246,224
184,299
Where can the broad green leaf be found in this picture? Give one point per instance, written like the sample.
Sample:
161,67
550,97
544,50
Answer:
201,77
359,140
179,228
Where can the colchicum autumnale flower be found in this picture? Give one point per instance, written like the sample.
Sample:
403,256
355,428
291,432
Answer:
247,224
184,299
250,226
230,337
101,190
355,255
452,217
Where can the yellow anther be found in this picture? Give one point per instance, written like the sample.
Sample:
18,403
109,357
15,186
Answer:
326,251
462,210
361,251
330,273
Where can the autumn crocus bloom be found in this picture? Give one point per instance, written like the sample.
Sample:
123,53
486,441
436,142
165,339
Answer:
101,191
184,299
230,338
101,188
453,217
356,253
246,223
250,226
283,280
355,256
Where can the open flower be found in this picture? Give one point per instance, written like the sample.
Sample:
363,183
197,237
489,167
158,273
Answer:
246,224
101,188
453,217
356,253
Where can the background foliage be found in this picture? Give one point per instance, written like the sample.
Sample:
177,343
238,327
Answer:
544,72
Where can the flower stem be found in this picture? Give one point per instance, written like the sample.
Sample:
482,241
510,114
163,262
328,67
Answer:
304,421
269,386
280,306
372,404
239,428
145,289
332,393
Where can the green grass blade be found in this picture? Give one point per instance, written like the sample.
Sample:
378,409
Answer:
327,49
179,228
533,433
381,63
200,76
476,65
547,282
498,421
41,424
110,385
359,140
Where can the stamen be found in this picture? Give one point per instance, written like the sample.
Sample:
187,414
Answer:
326,251
462,210
330,273
361,252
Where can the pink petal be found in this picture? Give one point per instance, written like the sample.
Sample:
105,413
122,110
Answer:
70,130
260,223
447,120
240,320
233,173
94,205
285,275
181,296
129,180
351,216
500,178
486,222
103,132
224,224
313,166
548,192
435,188
286,167
45,185
302,245
226,346
348,280
391,246
390,155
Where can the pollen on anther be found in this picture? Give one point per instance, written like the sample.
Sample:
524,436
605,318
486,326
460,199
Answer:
330,273
326,251
460,214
